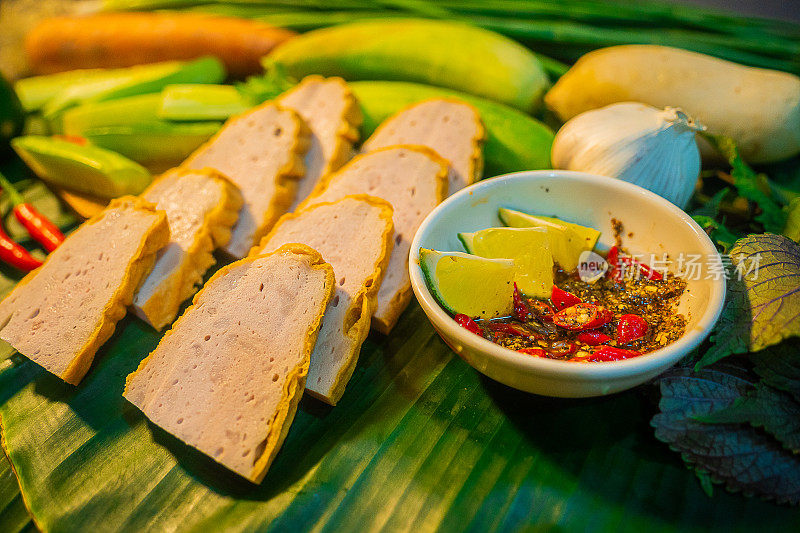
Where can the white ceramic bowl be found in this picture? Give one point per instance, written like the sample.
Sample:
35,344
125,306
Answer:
652,225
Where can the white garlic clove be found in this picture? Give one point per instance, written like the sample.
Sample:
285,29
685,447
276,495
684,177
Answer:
655,149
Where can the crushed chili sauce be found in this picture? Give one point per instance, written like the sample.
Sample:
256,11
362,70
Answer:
605,303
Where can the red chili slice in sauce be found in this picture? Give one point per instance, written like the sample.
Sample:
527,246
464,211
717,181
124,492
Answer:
616,262
508,329
538,352
582,316
593,338
609,353
543,310
644,270
613,263
562,349
630,328
467,323
563,299
522,311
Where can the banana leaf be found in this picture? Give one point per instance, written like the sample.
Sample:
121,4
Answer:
14,517
420,442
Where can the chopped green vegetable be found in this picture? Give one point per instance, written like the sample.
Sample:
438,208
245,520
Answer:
191,102
141,109
131,126
762,308
87,169
158,145
34,92
132,81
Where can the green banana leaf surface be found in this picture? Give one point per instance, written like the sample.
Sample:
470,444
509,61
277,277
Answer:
420,442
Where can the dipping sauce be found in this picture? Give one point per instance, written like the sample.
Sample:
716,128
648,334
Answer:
628,312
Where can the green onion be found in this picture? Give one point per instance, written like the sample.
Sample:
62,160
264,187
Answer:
566,30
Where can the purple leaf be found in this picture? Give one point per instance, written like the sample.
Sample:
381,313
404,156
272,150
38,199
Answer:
764,407
737,455
779,367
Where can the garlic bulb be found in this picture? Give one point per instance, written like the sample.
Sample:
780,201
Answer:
633,142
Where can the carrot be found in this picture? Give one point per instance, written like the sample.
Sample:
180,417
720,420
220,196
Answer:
110,40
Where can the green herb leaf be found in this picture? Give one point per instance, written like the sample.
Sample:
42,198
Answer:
737,455
274,81
779,366
763,307
706,483
750,185
711,207
775,411
721,235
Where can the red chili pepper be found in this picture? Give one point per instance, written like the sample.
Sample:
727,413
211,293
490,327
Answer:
74,139
593,338
538,352
615,263
39,227
563,299
644,270
508,329
563,349
543,310
467,323
630,328
612,258
609,353
582,316
15,255
521,310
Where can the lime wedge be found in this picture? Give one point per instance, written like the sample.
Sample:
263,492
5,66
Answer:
529,248
467,240
463,283
567,240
